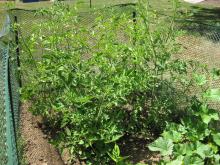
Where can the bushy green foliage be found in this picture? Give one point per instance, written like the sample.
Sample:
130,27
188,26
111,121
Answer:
115,155
95,84
195,140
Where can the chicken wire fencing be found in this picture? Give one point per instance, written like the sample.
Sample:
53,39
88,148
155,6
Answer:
28,22
201,42
16,26
9,95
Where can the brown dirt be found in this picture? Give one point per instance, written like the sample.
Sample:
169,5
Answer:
37,149
212,2
137,151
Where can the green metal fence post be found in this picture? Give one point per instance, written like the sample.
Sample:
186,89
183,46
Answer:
11,143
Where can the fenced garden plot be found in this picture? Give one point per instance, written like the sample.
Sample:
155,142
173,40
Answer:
102,78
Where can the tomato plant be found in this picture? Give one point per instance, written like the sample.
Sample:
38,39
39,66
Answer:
96,84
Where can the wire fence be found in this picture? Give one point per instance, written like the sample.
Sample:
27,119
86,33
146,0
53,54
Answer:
9,96
201,43
16,28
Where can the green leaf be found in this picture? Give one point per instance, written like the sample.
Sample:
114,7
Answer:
216,138
214,147
200,79
116,150
184,149
215,73
217,159
115,155
176,127
81,142
207,117
177,161
207,114
68,132
173,135
196,128
204,108
212,94
164,146
193,160
204,150
114,138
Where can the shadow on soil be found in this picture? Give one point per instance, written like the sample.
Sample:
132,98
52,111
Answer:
203,21
137,150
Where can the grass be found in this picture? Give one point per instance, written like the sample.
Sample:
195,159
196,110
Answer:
83,5
164,6
198,13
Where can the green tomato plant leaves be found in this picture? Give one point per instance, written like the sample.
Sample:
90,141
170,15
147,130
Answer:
213,94
99,84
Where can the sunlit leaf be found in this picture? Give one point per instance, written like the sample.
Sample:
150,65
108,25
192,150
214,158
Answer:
177,161
216,138
193,160
164,146
213,94
203,150
200,79
184,149
173,135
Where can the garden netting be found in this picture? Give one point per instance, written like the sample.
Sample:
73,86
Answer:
201,42
9,95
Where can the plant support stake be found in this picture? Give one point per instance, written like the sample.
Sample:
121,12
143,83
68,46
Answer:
135,22
17,49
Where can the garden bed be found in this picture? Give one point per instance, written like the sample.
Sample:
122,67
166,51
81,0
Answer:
215,3
126,93
37,149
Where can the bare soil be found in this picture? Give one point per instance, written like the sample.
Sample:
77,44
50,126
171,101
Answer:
137,151
37,149
212,2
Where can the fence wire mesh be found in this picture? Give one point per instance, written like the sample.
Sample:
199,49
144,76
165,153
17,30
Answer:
9,97
201,43
3,145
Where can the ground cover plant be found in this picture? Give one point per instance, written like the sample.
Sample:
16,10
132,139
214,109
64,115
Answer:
118,78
